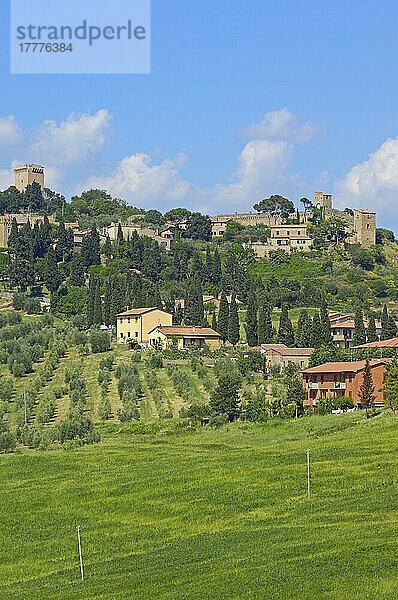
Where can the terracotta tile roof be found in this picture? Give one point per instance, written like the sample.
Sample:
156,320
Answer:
391,343
187,331
137,311
285,350
346,367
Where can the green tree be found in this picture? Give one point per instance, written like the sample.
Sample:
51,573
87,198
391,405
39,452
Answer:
276,206
194,311
388,325
119,237
51,274
325,323
97,310
233,323
216,269
76,276
316,338
296,394
359,331
261,335
199,227
251,319
285,331
21,274
107,303
390,390
371,332
91,300
225,397
12,238
304,327
366,391
223,317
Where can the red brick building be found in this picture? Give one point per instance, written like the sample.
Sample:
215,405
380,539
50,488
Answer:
338,379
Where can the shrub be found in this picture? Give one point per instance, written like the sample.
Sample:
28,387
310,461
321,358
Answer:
7,441
77,426
45,410
107,362
6,389
104,408
155,360
100,341
32,306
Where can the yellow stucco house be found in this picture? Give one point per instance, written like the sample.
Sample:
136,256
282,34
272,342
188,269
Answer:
135,324
184,337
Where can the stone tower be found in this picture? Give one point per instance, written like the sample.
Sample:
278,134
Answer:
26,174
322,200
364,227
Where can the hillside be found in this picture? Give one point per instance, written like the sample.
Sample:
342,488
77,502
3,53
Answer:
220,514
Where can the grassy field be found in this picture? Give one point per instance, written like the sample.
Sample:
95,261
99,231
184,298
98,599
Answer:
211,514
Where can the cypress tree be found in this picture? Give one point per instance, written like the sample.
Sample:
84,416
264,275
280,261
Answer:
261,325
119,237
208,270
107,248
97,311
359,332
325,323
194,310
251,320
117,299
371,333
316,337
233,323
51,276
384,323
285,331
268,330
12,238
223,317
216,270
304,330
107,303
214,321
366,390
178,315
90,301
157,299
76,271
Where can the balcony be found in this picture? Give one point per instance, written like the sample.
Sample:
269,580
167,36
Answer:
339,385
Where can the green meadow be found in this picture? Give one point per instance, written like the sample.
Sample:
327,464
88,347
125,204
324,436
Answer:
171,513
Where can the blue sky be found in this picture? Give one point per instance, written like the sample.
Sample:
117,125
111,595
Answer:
246,98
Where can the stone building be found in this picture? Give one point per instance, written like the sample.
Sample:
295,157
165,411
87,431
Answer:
322,200
27,174
21,219
288,238
364,231
136,324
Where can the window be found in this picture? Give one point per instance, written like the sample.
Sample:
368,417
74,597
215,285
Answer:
136,319
136,334
128,334
128,320
121,335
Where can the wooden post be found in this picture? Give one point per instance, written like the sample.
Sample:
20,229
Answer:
80,553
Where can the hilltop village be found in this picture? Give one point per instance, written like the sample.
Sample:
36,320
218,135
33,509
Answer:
301,298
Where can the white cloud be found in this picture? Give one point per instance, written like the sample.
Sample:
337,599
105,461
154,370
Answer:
282,125
140,181
77,139
10,132
261,170
6,179
373,183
